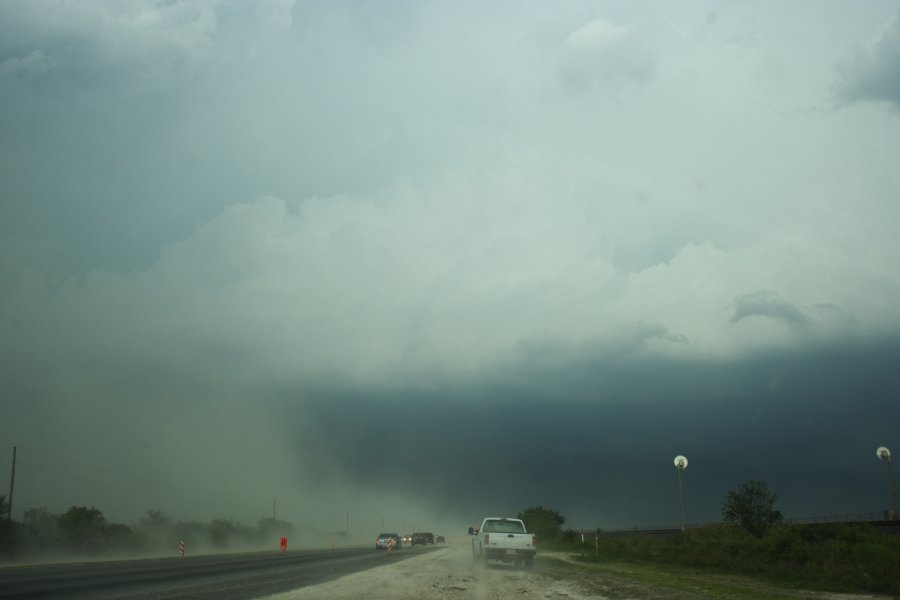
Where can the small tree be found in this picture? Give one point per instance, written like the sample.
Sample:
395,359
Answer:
543,522
42,526
220,532
752,506
9,531
122,538
82,528
155,519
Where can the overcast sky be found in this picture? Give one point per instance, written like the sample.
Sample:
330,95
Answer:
421,262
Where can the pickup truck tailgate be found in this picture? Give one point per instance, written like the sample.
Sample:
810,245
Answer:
510,541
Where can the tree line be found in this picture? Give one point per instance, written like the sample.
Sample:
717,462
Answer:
751,506
85,531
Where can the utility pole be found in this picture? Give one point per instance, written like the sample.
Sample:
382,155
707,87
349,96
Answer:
12,485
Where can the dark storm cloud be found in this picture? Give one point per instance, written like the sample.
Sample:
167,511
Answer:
873,72
768,304
597,441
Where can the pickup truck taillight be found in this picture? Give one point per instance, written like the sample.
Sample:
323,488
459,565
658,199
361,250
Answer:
487,539
534,540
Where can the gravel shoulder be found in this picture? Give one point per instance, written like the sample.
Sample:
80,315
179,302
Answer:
440,575
451,572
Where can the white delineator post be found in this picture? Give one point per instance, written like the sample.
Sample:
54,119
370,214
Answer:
181,548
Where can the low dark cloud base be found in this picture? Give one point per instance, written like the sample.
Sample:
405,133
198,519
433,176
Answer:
599,445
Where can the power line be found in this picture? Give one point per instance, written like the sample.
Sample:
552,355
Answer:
125,475
127,489
209,495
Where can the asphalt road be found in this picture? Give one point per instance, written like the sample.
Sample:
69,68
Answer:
221,577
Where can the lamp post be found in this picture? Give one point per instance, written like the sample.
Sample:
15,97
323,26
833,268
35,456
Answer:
681,464
885,455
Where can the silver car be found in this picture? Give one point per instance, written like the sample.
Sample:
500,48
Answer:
386,541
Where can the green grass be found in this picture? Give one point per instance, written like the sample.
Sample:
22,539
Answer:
828,557
693,582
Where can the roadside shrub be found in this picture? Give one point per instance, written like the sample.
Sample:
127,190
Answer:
833,557
220,532
569,536
752,506
11,538
544,522
82,529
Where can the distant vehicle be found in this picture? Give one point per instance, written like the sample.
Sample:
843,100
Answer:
407,539
439,539
384,540
504,539
422,539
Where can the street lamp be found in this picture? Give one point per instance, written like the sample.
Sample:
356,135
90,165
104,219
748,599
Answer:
681,464
885,455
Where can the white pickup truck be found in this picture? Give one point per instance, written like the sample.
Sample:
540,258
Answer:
504,539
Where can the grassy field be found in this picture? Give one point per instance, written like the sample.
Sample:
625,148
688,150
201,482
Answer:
827,557
658,581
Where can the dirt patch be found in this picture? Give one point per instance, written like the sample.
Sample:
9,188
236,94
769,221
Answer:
448,573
